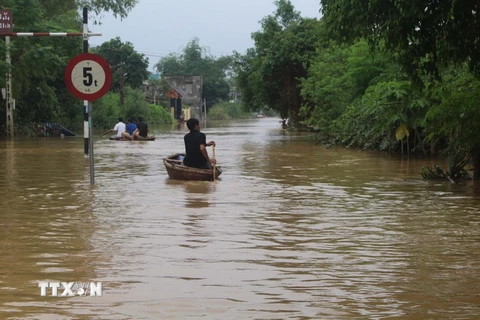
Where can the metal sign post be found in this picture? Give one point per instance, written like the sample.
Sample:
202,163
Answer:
88,77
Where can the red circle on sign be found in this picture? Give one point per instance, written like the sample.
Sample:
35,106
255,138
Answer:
105,71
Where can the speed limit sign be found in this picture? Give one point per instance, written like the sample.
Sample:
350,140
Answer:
88,76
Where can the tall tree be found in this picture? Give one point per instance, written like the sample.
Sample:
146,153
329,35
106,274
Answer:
425,34
129,66
455,115
270,74
195,60
248,79
119,8
38,63
428,37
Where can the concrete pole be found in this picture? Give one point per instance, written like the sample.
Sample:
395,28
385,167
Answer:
205,106
86,131
122,90
10,106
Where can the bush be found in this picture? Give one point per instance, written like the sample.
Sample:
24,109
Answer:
227,110
159,115
218,113
107,109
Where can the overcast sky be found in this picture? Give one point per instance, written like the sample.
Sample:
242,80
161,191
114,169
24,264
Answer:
157,28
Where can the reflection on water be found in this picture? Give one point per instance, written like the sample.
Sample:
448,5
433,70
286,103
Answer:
195,192
292,231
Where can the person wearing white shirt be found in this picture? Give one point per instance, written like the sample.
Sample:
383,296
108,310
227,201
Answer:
120,127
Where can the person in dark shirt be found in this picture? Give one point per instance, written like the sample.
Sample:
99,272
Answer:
142,130
195,147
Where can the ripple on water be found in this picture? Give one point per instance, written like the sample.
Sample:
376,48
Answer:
292,230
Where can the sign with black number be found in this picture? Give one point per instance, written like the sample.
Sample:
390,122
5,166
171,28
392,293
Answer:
88,76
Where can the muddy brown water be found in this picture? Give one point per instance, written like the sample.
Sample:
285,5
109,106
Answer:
292,230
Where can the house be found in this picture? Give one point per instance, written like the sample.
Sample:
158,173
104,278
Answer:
176,96
191,90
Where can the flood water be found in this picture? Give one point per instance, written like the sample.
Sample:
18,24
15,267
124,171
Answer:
292,230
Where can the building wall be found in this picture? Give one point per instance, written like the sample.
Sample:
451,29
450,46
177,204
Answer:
192,89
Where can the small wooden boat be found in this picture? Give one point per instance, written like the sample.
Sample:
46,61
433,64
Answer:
176,170
151,138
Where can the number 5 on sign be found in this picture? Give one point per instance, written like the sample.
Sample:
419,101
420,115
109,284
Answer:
87,73
88,76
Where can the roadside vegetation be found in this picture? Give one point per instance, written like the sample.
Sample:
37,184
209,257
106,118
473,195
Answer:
38,65
349,79
108,108
360,85
196,60
227,111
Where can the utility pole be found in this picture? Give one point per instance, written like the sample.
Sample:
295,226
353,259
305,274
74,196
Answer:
9,101
122,87
205,108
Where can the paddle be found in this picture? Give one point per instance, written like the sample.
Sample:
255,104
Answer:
213,150
105,133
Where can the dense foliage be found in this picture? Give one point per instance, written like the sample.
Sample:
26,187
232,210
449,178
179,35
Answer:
38,63
108,108
129,68
397,76
228,110
269,75
426,35
433,41
196,61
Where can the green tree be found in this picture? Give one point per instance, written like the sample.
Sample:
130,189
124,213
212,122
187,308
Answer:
119,8
455,115
249,80
195,60
343,96
128,66
171,65
38,63
430,39
270,74
389,111
425,35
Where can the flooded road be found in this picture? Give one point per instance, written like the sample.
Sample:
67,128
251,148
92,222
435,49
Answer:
292,230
